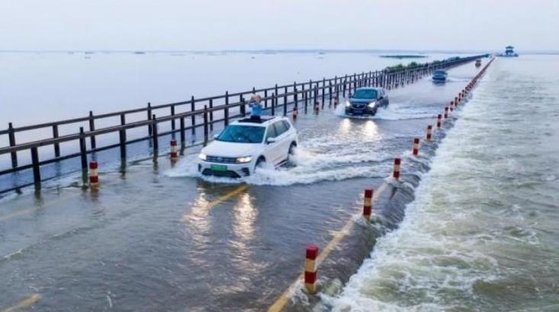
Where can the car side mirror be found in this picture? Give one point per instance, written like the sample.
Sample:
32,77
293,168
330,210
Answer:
271,140
380,98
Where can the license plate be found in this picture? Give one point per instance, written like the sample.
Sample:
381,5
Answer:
218,167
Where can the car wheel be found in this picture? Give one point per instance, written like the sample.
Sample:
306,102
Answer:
260,162
292,149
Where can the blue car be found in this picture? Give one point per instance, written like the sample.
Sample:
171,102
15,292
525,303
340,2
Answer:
439,76
366,101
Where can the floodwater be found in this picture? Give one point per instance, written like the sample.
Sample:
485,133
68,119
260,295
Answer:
482,233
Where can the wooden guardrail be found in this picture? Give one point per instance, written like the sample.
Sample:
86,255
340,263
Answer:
203,113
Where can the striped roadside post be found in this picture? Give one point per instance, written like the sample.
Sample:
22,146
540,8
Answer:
174,153
415,148
396,170
429,134
368,204
93,174
310,268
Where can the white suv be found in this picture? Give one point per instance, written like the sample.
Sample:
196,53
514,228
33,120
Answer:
246,144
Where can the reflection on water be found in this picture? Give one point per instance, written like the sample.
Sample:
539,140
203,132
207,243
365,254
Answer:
244,218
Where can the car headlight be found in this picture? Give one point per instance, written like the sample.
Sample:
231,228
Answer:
372,104
202,156
244,160
347,104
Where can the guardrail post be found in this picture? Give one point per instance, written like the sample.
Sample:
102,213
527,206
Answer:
173,126
36,168
274,100
265,98
206,132
285,102
193,117
183,135
83,156
12,139
155,138
242,108
336,87
211,105
295,97
306,98
226,109
323,91
315,95
149,118
304,95
295,93
329,93
56,145
91,129
344,86
122,140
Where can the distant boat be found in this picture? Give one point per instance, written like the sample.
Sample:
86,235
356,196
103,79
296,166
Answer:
509,52
139,52
439,76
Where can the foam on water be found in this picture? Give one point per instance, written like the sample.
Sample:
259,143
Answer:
309,164
403,110
482,233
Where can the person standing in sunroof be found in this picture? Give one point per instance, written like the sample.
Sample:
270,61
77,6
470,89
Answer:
255,107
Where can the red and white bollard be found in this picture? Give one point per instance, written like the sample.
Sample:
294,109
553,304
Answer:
317,108
429,135
415,147
335,101
368,204
396,170
310,268
439,121
446,112
294,113
93,174
174,154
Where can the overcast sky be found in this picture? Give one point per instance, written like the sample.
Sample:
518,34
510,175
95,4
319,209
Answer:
274,24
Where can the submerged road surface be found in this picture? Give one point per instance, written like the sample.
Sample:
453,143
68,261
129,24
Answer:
158,238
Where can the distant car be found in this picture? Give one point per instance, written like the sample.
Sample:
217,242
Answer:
366,101
439,76
478,63
246,144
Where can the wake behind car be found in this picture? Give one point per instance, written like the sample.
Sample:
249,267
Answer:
366,101
246,144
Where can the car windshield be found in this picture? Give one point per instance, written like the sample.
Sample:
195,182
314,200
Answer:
365,94
242,134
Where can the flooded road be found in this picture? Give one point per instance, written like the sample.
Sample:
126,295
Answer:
482,232
158,237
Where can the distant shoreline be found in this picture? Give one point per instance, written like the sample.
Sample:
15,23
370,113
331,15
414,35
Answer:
382,52
404,56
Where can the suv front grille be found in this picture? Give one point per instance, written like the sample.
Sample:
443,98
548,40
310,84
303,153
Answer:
221,160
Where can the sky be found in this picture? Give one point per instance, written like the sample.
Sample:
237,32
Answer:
486,25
